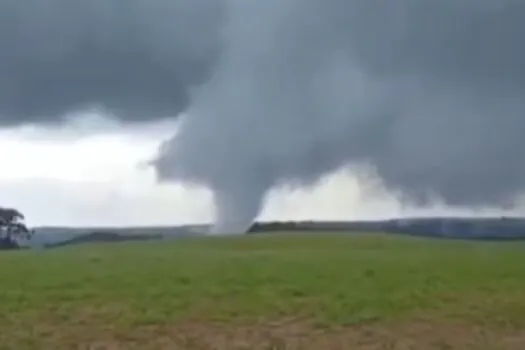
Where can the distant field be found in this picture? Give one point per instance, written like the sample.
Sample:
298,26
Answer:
278,291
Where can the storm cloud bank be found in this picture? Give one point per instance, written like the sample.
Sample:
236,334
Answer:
134,59
428,95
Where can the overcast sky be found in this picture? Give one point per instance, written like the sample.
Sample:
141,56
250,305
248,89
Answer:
274,92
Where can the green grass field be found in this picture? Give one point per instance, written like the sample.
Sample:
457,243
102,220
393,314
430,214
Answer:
282,291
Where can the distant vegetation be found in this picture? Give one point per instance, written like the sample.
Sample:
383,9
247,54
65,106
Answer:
494,228
12,229
14,234
103,237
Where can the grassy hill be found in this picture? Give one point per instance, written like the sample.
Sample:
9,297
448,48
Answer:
285,291
50,236
472,228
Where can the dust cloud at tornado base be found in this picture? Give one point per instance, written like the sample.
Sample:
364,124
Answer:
426,96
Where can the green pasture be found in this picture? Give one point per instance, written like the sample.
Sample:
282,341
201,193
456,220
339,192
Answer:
191,293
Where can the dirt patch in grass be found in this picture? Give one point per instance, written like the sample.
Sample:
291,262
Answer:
285,334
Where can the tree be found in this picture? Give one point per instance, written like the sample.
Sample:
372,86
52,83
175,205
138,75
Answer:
12,228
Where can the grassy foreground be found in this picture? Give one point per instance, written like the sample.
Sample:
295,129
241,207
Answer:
266,292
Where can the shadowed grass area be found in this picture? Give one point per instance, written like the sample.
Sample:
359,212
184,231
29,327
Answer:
281,288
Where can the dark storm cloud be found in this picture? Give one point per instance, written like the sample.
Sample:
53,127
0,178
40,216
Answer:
428,94
136,58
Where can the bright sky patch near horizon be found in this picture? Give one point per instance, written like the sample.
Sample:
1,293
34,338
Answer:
93,173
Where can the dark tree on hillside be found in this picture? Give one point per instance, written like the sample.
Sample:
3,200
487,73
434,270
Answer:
12,228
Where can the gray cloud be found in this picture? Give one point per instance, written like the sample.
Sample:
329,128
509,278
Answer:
429,95
135,58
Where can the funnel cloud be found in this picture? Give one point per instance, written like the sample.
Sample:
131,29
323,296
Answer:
427,96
